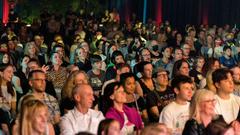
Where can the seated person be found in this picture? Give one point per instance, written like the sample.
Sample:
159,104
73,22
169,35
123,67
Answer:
33,112
96,74
8,96
227,103
117,57
161,96
109,127
133,98
4,122
176,114
129,118
81,118
155,129
201,112
74,79
227,60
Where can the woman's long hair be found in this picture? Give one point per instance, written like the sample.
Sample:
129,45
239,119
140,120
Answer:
28,109
1,57
10,89
177,66
198,97
70,83
208,65
26,49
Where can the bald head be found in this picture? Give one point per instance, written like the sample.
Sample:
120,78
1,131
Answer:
80,89
83,95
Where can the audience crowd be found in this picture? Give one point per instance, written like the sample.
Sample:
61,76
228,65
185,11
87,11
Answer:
90,74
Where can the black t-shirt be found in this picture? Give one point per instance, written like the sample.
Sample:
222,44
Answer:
24,81
84,66
4,118
144,87
140,102
111,73
163,99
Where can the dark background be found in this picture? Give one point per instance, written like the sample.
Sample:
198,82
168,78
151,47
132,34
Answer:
182,12
178,12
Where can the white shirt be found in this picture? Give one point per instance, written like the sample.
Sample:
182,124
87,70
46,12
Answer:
175,116
228,108
74,122
128,127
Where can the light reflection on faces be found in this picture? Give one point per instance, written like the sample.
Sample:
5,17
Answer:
130,85
7,73
184,69
185,92
40,118
207,105
148,69
119,95
5,59
80,79
114,128
31,49
56,59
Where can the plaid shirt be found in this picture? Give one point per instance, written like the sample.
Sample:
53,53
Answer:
52,103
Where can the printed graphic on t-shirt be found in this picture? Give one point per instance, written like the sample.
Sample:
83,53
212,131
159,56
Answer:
181,119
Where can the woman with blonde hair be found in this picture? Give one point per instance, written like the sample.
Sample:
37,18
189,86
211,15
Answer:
75,78
201,112
81,59
31,50
33,119
22,102
211,65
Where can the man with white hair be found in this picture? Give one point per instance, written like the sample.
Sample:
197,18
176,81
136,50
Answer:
81,118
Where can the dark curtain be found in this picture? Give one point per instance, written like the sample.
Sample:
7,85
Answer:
137,8
219,12
125,8
182,12
224,12
151,4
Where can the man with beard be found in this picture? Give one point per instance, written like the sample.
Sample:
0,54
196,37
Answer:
37,82
236,79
